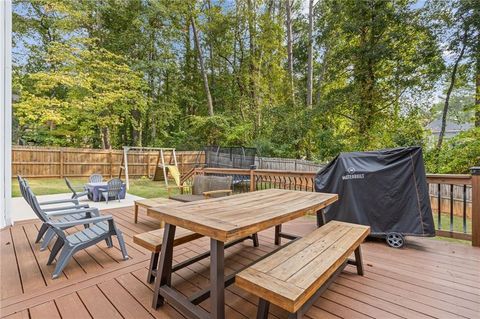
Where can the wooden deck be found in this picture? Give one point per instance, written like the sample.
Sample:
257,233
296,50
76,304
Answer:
428,279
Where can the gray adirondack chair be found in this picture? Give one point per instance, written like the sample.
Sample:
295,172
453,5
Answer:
77,191
101,228
95,178
113,189
23,183
73,212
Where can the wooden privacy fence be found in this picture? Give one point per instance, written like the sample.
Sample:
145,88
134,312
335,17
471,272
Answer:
39,162
246,180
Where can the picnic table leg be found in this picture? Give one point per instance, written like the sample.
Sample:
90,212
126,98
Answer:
359,261
152,270
255,240
135,219
262,311
320,218
217,273
278,230
164,268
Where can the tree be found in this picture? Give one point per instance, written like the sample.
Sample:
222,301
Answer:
90,93
383,57
288,24
450,88
202,66
310,56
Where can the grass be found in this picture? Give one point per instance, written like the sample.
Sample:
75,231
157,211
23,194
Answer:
457,222
45,186
457,227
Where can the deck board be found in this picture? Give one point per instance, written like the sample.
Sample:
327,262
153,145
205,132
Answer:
428,279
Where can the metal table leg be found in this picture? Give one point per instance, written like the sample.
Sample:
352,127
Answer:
164,269
217,273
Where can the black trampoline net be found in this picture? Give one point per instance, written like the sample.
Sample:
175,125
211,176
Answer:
229,157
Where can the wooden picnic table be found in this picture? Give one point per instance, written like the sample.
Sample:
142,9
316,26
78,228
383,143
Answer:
149,203
224,219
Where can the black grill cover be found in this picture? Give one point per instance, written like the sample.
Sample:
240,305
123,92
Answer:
386,190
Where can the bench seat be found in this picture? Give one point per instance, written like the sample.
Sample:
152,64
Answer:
292,276
153,240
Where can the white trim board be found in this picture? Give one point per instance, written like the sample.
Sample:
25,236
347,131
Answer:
5,112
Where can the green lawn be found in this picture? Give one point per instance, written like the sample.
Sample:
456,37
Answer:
457,227
42,186
457,223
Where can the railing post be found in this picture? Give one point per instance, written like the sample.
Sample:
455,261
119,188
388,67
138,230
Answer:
475,206
252,178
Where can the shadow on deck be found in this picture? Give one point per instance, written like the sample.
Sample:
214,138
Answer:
428,279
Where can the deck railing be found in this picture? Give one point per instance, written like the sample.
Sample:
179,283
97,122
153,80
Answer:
450,198
449,222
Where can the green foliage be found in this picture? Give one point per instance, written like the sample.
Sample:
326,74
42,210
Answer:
458,155
113,73
90,89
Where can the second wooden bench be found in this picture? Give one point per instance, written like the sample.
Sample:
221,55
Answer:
295,276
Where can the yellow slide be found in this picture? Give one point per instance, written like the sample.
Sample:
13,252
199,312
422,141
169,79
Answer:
174,172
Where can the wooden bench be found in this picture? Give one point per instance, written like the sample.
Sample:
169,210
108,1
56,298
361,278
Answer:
152,241
295,276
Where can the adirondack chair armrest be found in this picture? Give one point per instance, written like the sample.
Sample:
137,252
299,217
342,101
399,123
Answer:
53,209
92,210
59,201
78,222
208,194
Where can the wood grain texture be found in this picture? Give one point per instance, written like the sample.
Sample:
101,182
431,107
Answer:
291,276
428,277
237,216
153,240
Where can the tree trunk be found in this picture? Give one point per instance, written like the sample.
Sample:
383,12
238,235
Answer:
321,76
106,144
251,5
210,51
202,68
136,128
310,55
289,4
477,88
441,135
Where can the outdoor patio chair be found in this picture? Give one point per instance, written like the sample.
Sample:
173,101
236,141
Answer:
74,203
101,228
77,191
113,189
95,178
203,187
73,212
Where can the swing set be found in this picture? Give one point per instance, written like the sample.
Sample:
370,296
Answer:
162,168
